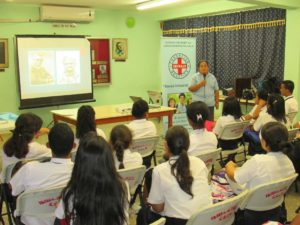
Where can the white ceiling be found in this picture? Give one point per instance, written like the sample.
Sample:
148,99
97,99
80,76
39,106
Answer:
105,4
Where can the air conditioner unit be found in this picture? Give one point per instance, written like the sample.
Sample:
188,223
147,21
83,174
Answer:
66,14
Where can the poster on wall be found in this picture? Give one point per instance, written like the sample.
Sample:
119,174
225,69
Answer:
178,57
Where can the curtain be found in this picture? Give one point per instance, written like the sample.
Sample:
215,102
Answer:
237,45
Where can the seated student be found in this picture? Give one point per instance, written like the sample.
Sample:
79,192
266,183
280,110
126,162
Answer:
259,107
275,112
180,185
265,168
291,103
38,175
86,122
231,113
140,126
120,140
200,138
96,194
21,144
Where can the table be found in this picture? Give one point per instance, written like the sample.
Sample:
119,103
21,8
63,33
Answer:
112,114
241,100
5,126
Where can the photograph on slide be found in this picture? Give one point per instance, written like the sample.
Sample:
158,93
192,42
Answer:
179,101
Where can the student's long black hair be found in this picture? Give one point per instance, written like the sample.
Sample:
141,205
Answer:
120,139
26,126
197,113
276,108
95,194
85,121
232,107
276,136
178,142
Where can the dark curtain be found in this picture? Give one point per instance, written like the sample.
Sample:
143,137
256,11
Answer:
237,45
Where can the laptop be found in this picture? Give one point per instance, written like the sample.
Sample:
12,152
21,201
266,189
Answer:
151,106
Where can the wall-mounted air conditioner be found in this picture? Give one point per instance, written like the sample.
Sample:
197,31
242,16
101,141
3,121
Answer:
66,14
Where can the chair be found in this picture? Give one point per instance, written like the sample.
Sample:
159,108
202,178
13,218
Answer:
209,157
40,204
5,191
268,196
161,221
233,131
221,213
291,116
134,177
293,133
146,147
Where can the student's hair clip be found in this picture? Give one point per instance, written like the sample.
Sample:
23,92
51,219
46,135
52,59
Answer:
199,116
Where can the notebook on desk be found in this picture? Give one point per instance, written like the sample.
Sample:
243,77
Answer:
151,106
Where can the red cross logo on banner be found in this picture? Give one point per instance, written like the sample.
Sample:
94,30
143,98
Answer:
180,66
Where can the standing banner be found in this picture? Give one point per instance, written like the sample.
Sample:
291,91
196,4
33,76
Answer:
178,56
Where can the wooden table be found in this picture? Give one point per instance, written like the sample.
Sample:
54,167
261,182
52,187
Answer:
6,126
241,100
112,114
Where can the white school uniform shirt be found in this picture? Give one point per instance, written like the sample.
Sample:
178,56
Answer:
142,128
35,150
265,118
60,210
36,175
200,140
165,189
264,168
222,121
130,159
291,107
99,133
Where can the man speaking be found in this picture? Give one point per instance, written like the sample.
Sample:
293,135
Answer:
204,87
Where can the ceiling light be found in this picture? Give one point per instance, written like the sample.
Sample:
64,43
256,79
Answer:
153,3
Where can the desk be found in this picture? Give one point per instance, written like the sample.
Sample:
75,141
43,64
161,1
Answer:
5,126
109,114
241,100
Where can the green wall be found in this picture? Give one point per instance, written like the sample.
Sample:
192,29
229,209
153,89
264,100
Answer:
134,77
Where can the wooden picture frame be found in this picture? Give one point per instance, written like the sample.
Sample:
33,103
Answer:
119,49
3,53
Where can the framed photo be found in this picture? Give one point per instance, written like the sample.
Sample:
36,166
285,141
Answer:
3,53
119,49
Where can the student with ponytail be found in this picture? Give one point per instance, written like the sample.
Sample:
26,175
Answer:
200,138
265,168
120,140
21,144
180,185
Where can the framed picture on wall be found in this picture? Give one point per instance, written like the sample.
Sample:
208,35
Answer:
119,49
3,53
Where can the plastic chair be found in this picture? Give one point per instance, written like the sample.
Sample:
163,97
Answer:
40,204
161,221
5,190
134,177
268,196
146,147
221,213
233,131
209,157
291,116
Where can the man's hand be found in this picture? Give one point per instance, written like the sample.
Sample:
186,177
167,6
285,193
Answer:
202,83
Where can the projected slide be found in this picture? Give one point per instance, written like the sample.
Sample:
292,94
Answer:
54,70
41,64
